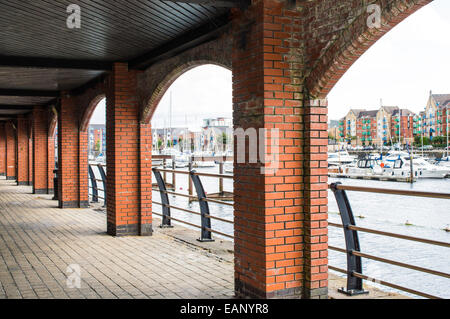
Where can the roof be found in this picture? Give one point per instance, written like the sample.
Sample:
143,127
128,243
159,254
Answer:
404,112
441,100
40,56
356,111
372,113
390,109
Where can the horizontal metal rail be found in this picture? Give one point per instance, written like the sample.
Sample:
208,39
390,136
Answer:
391,262
195,197
198,174
195,213
384,283
394,191
194,225
393,235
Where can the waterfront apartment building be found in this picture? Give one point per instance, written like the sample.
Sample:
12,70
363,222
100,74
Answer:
435,118
378,127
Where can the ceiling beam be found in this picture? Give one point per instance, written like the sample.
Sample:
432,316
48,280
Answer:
49,63
16,107
30,93
217,3
182,43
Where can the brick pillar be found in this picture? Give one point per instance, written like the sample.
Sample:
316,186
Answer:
11,158
40,150
50,163
2,149
23,175
30,152
128,157
274,229
72,170
316,198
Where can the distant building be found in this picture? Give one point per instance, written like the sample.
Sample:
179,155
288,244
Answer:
435,118
378,127
97,139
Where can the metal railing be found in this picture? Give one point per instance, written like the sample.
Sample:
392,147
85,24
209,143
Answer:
94,185
354,271
205,216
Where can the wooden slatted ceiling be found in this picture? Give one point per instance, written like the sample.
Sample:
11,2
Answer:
35,33
110,30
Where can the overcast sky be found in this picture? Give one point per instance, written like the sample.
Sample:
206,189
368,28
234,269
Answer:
401,69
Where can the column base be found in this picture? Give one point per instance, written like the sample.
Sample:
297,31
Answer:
40,191
2,174
130,230
10,178
246,291
50,191
74,204
23,183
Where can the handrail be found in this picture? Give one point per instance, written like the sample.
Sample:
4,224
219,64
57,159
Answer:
387,234
392,191
354,271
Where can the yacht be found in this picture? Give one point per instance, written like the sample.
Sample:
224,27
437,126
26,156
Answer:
401,166
340,158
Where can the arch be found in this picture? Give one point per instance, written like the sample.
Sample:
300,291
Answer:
345,49
158,93
53,122
89,111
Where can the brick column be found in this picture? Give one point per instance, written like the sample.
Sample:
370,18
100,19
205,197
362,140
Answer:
40,150
128,157
23,175
50,163
2,149
11,158
275,232
72,170
30,151
316,198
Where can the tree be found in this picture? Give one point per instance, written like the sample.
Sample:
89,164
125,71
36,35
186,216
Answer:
160,143
97,146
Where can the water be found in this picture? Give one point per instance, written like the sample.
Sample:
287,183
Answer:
382,212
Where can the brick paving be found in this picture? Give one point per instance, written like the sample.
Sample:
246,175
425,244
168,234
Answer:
38,242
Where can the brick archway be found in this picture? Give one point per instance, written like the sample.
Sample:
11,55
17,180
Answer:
353,41
152,103
89,111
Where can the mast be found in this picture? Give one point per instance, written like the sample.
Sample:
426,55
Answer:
446,129
170,120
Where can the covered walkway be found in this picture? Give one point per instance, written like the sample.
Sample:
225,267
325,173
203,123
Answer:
39,242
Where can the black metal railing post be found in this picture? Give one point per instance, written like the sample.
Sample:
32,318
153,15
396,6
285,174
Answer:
94,184
103,175
166,221
354,284
55,182
204,208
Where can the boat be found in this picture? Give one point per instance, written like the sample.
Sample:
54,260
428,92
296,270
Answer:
229,167
400,165
341,157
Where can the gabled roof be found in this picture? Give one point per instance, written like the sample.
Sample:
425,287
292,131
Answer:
441,100
404,112
372,113
390,109
356,111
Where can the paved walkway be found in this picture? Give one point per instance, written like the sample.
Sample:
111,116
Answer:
38,242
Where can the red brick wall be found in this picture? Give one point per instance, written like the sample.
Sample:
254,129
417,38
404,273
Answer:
40,150
72,156
128,190
30,148
2,149
11,157
23,176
